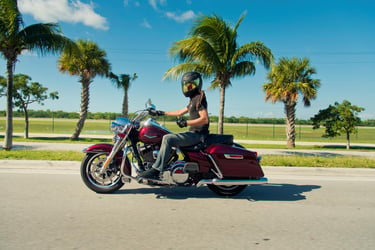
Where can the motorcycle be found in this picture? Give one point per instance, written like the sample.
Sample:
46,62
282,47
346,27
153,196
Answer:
227,168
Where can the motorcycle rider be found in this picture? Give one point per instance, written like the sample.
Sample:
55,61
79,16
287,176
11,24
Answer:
199,121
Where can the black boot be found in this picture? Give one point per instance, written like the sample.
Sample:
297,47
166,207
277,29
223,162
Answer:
151,173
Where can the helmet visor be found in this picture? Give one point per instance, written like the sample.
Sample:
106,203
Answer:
189,85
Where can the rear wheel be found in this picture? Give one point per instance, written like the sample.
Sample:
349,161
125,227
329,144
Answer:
106,182
226,190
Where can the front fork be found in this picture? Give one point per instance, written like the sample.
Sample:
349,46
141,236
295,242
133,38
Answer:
116,148
119,144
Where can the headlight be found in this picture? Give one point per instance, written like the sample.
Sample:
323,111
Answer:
119,124
115,127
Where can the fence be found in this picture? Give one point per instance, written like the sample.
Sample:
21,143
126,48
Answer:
240,131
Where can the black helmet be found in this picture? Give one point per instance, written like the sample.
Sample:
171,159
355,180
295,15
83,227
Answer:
191,83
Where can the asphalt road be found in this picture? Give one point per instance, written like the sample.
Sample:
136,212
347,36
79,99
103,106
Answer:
45,205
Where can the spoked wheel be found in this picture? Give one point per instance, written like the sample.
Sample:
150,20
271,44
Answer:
226,190
106,182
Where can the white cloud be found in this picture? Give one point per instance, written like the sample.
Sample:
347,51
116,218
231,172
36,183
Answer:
71,11
159,5
187,15
146,24
27,52
154,3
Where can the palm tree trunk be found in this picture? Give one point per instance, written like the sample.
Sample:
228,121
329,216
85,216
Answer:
9,108
125,106
85,98
221,110
290,111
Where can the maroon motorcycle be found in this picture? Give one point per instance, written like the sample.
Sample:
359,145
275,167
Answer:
227,168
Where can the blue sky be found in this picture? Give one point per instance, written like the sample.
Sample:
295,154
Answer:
338,36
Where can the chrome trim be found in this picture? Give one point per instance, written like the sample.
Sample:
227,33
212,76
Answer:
150,136
125,177
166,180
116,148
218,172
217,182
130,152
233,156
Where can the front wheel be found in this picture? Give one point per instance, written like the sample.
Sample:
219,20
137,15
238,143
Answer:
106,182
226,190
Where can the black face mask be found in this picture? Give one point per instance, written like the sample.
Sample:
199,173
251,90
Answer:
192,93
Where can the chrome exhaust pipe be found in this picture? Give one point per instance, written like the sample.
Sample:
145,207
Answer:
218,182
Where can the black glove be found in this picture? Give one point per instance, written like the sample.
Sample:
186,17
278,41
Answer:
154,112
181,122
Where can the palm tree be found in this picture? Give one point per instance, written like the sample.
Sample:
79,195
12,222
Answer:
86,62
123,82
213,51
15,38
288,79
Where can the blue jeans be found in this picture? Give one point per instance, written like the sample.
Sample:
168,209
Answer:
184,139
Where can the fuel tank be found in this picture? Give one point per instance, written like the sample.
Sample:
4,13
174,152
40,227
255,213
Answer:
152,132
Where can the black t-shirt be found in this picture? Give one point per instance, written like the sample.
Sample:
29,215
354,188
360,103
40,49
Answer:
198,103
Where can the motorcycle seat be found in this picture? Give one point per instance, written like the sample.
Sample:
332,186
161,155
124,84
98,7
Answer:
219,139
210,140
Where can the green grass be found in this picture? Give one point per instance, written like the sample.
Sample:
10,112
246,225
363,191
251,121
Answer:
318,161
60,139
41,155
240,131
310,147
277,133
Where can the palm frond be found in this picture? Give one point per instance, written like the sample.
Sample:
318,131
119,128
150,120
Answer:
176,71
44,38
10,18
254,51
243,69
289,78
218,34
88,57
194,49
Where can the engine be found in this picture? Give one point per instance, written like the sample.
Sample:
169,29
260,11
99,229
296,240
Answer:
180,172
149,153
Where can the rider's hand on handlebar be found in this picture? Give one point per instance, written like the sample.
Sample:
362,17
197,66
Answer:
154,112
181,122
